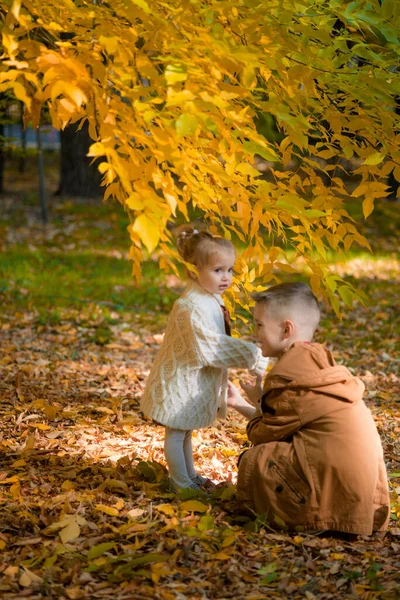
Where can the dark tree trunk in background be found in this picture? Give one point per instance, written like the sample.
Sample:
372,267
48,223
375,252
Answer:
392,182
77,176
2,157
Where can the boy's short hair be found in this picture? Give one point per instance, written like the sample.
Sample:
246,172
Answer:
291,300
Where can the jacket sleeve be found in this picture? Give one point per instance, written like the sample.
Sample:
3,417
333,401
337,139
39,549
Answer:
216,349
278,421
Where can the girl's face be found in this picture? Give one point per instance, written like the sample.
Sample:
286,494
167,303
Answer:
216,276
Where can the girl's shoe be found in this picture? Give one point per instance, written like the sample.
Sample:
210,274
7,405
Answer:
199,480
191,486
203,482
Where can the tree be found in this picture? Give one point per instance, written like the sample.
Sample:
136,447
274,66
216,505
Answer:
171,93
78,176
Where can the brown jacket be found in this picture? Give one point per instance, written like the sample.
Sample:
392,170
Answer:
317,460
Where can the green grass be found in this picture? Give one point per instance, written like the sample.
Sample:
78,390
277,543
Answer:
42,279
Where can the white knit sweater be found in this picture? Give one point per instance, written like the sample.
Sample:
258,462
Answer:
188,381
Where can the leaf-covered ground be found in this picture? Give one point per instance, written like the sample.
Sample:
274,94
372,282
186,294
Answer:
85,507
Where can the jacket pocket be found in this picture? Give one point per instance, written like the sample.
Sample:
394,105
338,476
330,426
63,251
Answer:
290,481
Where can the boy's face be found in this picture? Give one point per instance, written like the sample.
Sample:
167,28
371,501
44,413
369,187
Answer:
270,331
216,276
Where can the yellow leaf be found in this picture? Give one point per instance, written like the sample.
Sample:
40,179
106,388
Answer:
70,532
135,202
21,94
103,167
41,426
25,580
228,541
368,206
222,556
2,544
360,190
108,510
166,509
50,411
15,490
160,136
67,485
70,90
19,463
136,512
374,159
172,201
10,43
148,231
96,149
13,479
119,505
15,8
247,169
110,43
30,443
74,593
194,505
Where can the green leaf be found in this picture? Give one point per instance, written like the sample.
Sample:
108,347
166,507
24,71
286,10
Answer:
313,213
248,76
143,5
206,523
194,505
228,492
346,294
174,74
186,124
254,148
100,549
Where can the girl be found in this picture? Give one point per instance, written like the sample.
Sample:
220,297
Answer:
188,381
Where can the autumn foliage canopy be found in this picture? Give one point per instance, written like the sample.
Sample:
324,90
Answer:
175,94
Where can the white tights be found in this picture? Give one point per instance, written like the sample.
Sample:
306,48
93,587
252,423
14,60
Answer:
179,456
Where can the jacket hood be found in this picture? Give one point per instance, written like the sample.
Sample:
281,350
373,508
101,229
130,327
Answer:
312,367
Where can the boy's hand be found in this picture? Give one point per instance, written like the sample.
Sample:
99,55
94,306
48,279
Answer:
234,396
236,401
253,391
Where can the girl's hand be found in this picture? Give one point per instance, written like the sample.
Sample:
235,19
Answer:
253,391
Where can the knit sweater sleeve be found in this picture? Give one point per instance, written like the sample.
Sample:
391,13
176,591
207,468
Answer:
216,349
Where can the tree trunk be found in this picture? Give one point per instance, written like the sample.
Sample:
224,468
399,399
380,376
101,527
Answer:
2,158
77,176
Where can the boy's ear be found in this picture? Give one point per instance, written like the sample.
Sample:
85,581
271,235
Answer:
288,329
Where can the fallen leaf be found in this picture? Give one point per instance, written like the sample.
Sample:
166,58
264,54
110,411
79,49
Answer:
108,510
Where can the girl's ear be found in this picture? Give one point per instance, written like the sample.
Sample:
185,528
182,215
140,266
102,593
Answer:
288,329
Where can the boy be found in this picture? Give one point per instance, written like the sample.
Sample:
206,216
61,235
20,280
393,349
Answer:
316,461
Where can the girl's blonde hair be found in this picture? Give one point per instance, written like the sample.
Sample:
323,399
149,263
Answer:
197,246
